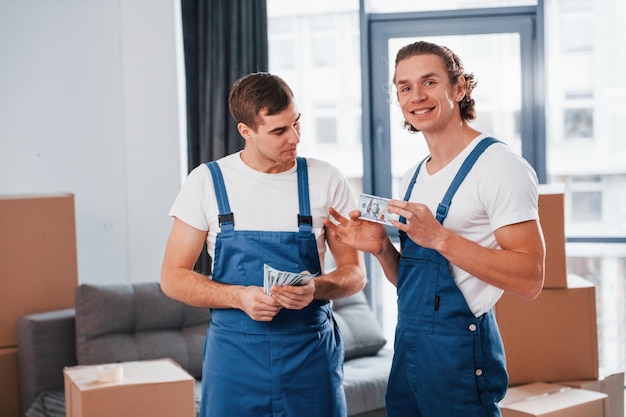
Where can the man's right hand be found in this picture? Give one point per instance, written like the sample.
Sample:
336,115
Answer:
360,234
258,305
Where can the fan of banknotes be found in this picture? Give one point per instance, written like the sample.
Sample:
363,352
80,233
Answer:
273,277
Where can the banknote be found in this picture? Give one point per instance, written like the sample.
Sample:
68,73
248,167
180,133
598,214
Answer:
273,277
375,209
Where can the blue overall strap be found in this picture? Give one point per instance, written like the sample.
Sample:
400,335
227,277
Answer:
444,206
225,217
409,189
305,221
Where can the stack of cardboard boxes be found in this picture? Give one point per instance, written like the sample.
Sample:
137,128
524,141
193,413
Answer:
551,343
38,272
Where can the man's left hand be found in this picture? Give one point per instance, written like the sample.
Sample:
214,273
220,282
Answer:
295,297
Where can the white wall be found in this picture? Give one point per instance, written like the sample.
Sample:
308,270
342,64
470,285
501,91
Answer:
89,104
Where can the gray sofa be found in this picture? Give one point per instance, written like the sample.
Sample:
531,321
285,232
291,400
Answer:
113,323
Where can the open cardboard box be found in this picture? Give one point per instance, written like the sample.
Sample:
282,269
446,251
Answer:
155,388
553,400
612,384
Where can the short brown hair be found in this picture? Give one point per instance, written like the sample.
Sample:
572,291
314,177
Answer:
257,92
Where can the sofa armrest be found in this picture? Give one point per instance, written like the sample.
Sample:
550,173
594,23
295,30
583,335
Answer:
46,343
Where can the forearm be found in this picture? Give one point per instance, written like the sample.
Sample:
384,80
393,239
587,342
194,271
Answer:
514,270
343,281
389,260
198,290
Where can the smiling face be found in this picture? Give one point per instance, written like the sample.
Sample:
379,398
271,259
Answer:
272,147
428,100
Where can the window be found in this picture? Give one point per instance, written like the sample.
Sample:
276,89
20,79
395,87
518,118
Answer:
281,36
586,206
578,123
326,129
386,6
321,39
604,264
576,26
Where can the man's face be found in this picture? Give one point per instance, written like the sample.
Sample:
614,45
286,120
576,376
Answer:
427,99
275,141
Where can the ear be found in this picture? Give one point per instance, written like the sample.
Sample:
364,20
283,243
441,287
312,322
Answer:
244,130
461,89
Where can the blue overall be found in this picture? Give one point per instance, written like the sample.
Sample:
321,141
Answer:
447,362
290,366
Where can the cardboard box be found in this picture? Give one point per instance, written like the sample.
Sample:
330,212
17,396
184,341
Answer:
552,219
552,338
158,388
39,267
9,387
526,391
543,400
612,385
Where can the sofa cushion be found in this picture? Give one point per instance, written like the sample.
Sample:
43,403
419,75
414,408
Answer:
129,322
365,382
361,332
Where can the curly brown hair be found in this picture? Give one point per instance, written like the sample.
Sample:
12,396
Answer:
455,69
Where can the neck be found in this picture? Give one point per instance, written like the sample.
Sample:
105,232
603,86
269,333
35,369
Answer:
445,147
265,165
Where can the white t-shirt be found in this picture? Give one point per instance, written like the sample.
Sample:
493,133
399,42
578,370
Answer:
261,201
501,189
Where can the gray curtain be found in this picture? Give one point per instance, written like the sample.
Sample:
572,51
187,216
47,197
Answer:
223,40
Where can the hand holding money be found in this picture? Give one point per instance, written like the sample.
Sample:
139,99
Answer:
376,209
273,277
257,305
294,297
364,235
